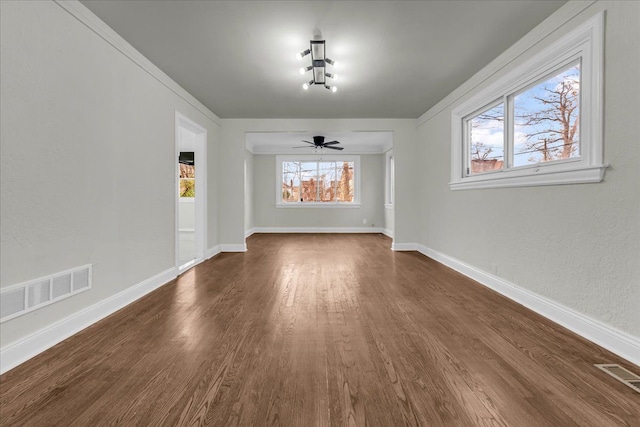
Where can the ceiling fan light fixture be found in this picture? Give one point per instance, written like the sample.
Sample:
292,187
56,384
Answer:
319,143
306,85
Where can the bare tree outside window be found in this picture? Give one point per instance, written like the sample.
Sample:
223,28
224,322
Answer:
547,119
546,125
320,181
486,133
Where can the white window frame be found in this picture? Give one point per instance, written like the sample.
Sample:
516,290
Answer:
319,158
585,43
389,184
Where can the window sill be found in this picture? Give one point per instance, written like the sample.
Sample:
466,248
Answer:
532,177
318,205
187,199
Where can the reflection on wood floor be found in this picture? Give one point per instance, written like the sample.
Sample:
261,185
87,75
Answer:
306,330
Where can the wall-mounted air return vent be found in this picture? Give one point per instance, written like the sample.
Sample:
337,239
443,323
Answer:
623,375
28,296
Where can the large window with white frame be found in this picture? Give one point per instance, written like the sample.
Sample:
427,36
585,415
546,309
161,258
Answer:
540,124
322,181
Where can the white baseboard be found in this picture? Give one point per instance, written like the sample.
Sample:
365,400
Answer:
24,349
249,232
404,246
317,230
211,252
614,340
233,248
387,232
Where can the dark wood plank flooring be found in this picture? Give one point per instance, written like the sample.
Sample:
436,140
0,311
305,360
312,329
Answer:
307,330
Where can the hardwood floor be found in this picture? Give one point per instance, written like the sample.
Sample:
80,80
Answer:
306,330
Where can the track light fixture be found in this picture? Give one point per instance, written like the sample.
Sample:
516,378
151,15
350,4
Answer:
318,65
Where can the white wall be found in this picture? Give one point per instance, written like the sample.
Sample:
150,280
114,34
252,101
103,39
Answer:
87,159
371,199
232,139
578,245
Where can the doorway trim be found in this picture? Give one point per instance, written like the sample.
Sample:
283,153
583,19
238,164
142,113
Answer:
182,121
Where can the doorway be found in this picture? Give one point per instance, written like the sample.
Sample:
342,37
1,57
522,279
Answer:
191,190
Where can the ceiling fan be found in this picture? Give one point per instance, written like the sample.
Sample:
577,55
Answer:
318,142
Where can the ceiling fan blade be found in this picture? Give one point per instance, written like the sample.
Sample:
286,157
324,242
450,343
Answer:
308,142
331,143
335,148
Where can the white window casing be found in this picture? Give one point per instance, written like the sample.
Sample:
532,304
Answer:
583,45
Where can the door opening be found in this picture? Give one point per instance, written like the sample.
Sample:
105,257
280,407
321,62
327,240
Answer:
191,164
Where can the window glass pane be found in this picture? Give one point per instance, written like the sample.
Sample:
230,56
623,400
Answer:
187,187
290,181
308,181
486,140
317,181
327,181
547,119
187,174
344,181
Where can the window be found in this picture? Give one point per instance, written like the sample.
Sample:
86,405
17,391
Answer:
317,181
187,172
541,124
389,179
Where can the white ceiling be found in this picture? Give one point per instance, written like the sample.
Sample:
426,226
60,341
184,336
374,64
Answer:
397,58
352,142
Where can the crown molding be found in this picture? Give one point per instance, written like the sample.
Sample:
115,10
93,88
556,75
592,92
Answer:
540,33
95,24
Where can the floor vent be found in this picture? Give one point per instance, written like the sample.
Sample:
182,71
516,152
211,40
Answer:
20,299
621,374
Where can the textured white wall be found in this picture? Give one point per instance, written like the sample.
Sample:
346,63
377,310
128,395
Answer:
372,199
578,245
232,150
87,161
